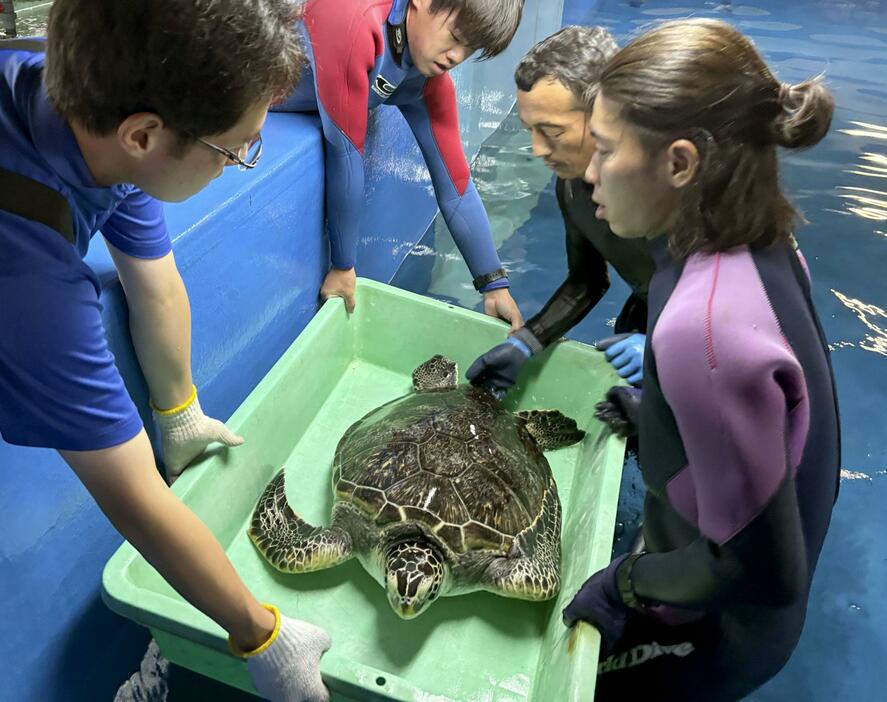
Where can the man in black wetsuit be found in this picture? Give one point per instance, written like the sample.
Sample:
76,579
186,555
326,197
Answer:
556,84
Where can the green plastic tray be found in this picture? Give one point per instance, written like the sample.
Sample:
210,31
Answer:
471,648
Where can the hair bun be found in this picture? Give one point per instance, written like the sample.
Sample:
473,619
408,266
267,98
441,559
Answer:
805,114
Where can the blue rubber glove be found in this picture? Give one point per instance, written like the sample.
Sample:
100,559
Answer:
499,367
626,353
621,410
598,602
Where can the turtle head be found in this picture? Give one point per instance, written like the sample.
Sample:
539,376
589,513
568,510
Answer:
414,573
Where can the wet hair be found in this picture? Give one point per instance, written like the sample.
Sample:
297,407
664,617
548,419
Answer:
488,25
200,65
704,81
574,57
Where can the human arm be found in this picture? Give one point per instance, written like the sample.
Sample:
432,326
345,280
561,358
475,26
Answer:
433,117
159,323
342,89
160,326
586,282
739,402
125,484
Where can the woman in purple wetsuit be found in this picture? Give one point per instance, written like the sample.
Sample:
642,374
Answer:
737,423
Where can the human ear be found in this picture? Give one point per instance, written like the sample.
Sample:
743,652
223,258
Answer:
683,162
140,134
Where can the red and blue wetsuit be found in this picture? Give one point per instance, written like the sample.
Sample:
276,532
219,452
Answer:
740,454
359,59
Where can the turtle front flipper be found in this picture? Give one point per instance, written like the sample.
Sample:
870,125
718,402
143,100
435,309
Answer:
437,373
288,542
550,428
532,569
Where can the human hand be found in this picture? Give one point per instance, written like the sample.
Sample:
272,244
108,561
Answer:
598,602
621,410
185,432
287,667
340,283
499,367
499,303
626,353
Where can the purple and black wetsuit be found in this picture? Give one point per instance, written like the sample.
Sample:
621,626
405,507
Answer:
740,451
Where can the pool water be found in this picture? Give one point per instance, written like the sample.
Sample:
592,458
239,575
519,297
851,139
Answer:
31,17
841,187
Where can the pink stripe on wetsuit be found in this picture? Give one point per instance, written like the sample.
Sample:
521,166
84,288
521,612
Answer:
736,390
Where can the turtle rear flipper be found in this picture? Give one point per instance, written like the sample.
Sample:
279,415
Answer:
531,571
550,428
437,373
288,542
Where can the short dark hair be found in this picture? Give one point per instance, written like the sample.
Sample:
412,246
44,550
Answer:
575,57
198,64
702,80
489,25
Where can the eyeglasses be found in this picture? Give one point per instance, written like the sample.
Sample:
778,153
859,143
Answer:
250,160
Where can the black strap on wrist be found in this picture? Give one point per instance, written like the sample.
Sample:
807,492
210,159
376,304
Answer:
624,583
484,280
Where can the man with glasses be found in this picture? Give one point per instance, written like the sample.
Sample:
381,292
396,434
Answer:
159,121
245,159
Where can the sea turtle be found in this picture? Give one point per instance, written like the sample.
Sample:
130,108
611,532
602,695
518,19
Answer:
440,492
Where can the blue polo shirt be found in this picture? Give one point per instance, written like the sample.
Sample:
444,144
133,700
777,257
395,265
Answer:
59,385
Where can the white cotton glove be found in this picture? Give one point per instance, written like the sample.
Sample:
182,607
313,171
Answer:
287,667
185,432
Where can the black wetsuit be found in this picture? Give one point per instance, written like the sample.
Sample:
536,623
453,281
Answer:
590,245
740,453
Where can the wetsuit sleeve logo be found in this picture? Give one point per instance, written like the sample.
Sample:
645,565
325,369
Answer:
383,87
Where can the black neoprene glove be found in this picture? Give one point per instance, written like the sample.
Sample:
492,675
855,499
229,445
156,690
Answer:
499,367
620,410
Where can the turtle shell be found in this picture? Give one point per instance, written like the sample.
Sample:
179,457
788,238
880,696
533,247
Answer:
452,461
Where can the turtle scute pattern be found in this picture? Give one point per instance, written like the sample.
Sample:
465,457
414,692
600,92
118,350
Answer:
442,463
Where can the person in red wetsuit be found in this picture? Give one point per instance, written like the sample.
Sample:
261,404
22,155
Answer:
366,53
738,427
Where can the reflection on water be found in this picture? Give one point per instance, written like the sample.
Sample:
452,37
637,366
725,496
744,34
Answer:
879,170
876,341
866,130
872,207
854,475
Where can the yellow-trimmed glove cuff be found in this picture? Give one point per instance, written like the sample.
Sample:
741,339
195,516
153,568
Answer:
264,647
179,408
